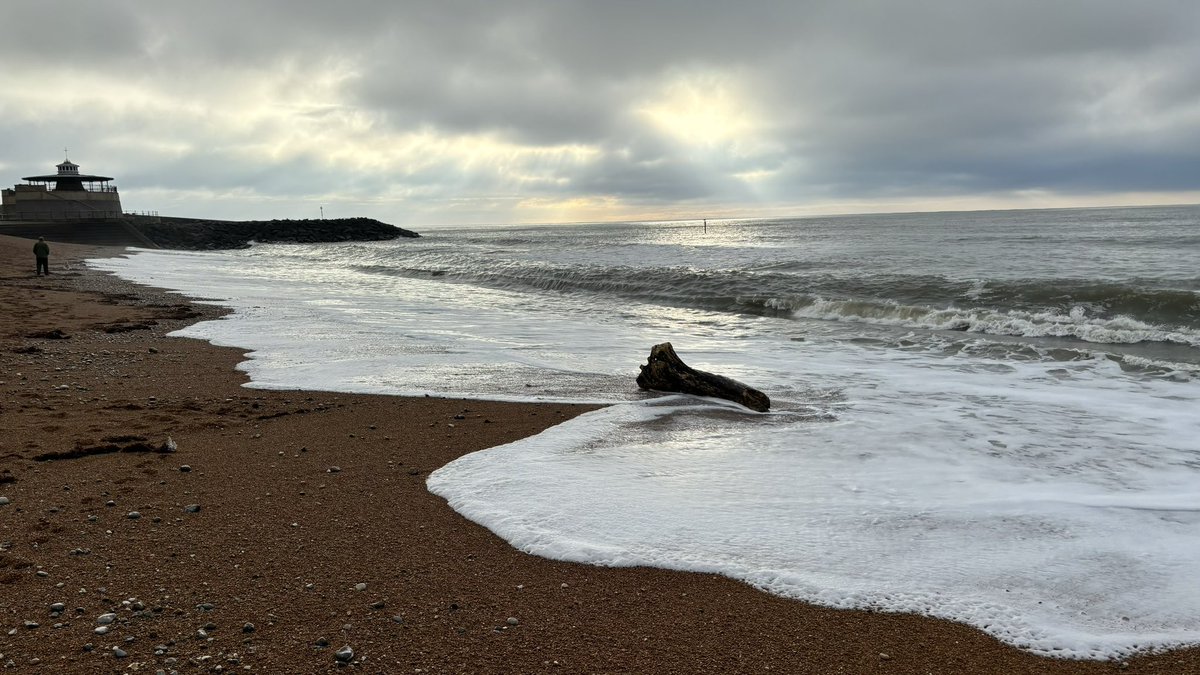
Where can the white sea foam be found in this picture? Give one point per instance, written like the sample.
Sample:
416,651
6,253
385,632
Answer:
1049,503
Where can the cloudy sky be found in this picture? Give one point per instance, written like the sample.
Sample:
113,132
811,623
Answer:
452,112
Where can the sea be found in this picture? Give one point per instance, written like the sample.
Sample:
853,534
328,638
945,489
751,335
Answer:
988,417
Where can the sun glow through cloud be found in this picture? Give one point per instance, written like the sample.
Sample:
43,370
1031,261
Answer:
703,109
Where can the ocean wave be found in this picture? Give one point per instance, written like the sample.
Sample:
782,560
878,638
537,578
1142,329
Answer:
1093,310
1076,323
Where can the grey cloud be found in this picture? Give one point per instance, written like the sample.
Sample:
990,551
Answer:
863,99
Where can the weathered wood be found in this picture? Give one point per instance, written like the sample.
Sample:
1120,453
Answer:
665,371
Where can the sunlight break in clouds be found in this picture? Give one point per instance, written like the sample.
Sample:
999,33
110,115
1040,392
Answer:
704,110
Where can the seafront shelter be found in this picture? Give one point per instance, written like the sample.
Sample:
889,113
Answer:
66,196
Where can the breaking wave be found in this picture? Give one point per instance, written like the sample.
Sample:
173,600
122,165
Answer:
1097,311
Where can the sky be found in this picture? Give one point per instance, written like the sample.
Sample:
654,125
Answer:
448,112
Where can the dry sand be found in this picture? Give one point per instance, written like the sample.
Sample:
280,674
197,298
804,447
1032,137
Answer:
302,497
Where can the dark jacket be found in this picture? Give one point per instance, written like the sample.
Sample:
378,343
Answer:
41,249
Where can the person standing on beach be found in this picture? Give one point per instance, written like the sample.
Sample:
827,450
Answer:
42,251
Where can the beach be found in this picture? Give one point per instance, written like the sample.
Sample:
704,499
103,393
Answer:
302,525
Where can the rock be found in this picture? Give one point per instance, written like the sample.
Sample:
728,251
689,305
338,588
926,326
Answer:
398,619
192,508
133,515
110,503
378,604
105,619
334,469
31,624
185,468
58,607
101,630
247,627
120,653
5,501
322,642
207,235
512,621
344,655
360,587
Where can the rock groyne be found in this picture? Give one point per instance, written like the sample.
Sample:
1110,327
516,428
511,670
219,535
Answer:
202,235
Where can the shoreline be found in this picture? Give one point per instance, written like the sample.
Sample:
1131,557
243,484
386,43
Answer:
304,495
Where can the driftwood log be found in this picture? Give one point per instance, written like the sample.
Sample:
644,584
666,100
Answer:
665,371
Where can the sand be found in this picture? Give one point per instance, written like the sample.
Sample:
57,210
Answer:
304,497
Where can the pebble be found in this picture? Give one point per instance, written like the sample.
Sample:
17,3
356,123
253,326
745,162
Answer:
110,503
101,630
378,604
185,468
43,573
322,642
105,619
512,621
58,607
360,587
120,653
4,501
192,508
31,624
133,515
885,657
344,655
248,627
334,469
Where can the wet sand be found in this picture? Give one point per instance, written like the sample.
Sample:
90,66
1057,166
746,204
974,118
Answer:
252,560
